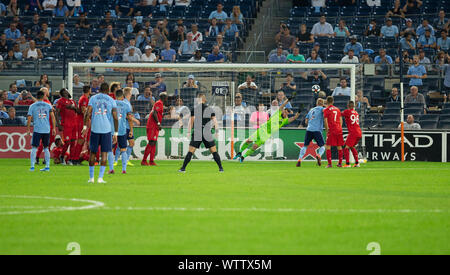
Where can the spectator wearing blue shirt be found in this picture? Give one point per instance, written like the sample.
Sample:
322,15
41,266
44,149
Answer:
408,43
218,14
216,56
230,30
12,93
61,10
112,55
281,97
213,29
422,28
355,46
61,33
3,114
443,42
158,86
278,57
168,54
147,96
427,41
288,87
382,60
12,33
314,58
188,46
389,30
124,7
416,73
2,9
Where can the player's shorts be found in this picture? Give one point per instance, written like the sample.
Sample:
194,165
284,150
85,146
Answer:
70,132
259,137
38,137
122,141
197,142
102,140
152,133
335,139
317,136
128,135
352,140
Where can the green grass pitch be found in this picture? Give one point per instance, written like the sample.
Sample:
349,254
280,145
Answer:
252,208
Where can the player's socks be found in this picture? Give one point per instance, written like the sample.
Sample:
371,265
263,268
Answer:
110,161
321,151
91,172
152,153
146,152
129,151
33,156
238,155
47,157
124,161
249,152
39,152
302,153
329,157
355,155
218,161
102,172
341,155
187,159
347,156
116,157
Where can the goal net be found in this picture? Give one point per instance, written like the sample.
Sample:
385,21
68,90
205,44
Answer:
240,94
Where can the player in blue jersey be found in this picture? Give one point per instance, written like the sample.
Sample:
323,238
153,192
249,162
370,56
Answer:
130,137
125,117
41,113
314,119
101,107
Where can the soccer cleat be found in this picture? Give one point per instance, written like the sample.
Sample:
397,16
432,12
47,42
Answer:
32,169
46,169
238,155
124,172
329,166
129,163
319,160
356,165
347,166
221,170
115,164
111,172
152,163
299,163
100,180
182,170
91,180
241,159
144,163
70,163
339,165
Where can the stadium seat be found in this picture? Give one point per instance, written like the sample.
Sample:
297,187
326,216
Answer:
431,125
390,124
444,125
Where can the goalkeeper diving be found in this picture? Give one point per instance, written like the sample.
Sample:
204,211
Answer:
277,120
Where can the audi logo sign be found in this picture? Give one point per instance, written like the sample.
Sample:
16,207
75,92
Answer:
14,142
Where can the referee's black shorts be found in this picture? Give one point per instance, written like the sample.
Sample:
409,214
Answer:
196,143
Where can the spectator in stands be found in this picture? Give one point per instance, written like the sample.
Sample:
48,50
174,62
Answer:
158,86
42,41
61,33
168,54
394,97
416,73
427,40
188,46
13,8
34,26
13,120
365,58
259,117
3,114
148,56
180,108
441,59
132,44
120,45
230,30
112,55
4,99
178,35
304,36
415,97
131,77
125,7
61,10
441,22
172,114
197,57
317,77
83,22
76,8
76,81
23,44
295,57
33,6
147,27
236,16
46,30
318,5
95,86
110,35
182,3
43,82
107,20
49,6
134,90
248,84
220,43
361,102
389,30
213,29
423,28
288,86
281,97
32,52
274,106
354,45
405,57
410,124
278,56
342,90
196,35
412,7
350,58
4,44
396,11
446,86
407,42
24,99
147,96
131,56
164,4
341,30
314,58
12,93
17,53
322,28
443,42
409,28
284,38
423,59
216,55
158,38
133,27
190,83
218,14
383,60
372,29
95,55
12,33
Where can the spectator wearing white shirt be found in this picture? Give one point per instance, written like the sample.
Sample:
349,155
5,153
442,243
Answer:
197,57
131,56
248,84
183,3
350,58
343,90
322,28
196,35
49,5
148,56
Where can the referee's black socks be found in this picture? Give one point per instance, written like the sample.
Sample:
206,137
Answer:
217,159
187,159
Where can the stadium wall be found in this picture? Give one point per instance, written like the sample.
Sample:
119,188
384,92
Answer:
173,144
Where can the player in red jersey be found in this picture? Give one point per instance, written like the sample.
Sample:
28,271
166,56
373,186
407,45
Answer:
52,137
67,110
354,133
82,108
57,151
333,126
112,90
153,128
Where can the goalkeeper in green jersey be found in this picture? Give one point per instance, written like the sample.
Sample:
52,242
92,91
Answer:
277,120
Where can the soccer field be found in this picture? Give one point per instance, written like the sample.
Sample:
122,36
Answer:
252,208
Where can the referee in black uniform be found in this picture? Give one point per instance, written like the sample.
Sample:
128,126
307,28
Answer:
202,120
